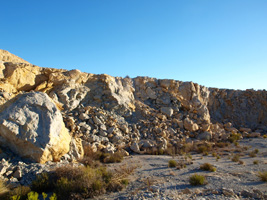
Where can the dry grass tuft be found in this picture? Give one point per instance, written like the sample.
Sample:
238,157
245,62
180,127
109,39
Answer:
208,167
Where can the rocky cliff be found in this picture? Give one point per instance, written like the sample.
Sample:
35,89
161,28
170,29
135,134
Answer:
109,113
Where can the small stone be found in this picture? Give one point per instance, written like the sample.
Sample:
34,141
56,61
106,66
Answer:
228,192
135,147
186,191
83,116
18,174
167,111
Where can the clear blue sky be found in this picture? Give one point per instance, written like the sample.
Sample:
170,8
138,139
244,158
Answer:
216,43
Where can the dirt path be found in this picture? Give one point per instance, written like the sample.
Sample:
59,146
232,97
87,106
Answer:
153,179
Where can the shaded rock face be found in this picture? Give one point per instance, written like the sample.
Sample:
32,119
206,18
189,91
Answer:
32,126
241,108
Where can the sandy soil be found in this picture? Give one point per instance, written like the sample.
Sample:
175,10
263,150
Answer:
153,179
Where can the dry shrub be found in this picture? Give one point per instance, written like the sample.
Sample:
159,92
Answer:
263,176
86,181
234,137
236,158
172,163
197,179
3,188
221,144
20,192
208,167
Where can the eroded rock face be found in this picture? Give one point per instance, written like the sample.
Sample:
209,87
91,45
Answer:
32,126
243,108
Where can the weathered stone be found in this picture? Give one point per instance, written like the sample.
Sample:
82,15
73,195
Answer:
83,116
135,147
190,125
32,126
254,134
76,149
205,136
18,173
167,111
242,129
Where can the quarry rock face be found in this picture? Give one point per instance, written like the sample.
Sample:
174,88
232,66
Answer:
108,113
32,126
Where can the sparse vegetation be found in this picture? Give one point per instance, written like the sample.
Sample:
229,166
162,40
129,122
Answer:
254,153
241,162
255,162
71,182
3,187
234,137
263,176
221,144
235,158
172,163
197,179
208,167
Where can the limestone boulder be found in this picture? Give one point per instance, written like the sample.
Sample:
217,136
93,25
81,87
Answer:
190,125
31,125
205,136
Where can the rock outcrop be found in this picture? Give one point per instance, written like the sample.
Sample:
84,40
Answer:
32,126
108,113
5,56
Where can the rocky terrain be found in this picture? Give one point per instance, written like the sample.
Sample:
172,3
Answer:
49,117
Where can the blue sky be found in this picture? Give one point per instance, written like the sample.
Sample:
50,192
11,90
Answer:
215,43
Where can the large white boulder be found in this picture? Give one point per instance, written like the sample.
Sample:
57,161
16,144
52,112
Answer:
31,125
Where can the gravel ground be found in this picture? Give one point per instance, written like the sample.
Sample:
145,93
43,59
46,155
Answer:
153,179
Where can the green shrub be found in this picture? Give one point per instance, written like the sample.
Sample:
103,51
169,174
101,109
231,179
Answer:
197,180
53,197
32,195
263,176
44,195
208,167
172,163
